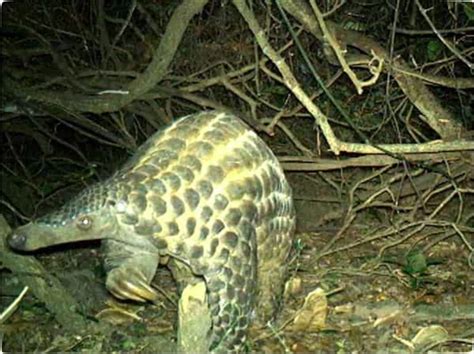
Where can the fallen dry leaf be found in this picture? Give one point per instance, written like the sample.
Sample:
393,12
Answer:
117,316
429,335
312,316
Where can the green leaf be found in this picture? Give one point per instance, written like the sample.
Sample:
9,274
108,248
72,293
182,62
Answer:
415,263
434,49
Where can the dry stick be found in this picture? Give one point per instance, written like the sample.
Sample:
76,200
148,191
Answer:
290,80
299,145
437,239
458,175
58,59
262,62
152,113
14,210
192,79
294,111
216,80
222,79
386,233
352,211
401,177
83,126
437,116
451,82
419,227
422,237
447,60
129,142
169,43
463,237
320,81
146,81
434,192
430,218
422,201
411,32
161,92
455,186
388,110
401,240
336,146
382,148
337,5
18,159
305,163
414,232
275,77
454,50
442,204
26,182
329,181
369,203
201,85
243,96
340,56
414,132
104,39
10,310
121,31
60,141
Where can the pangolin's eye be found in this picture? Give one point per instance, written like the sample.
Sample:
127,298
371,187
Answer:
84,222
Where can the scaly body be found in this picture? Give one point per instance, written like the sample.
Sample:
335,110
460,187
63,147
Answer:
206,192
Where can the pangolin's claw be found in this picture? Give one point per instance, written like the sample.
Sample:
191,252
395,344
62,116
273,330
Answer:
128,284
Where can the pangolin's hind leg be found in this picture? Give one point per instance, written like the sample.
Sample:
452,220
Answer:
232,285
274,235
271,276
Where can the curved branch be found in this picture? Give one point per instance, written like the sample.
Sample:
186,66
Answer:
153,74
438,118
289,78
